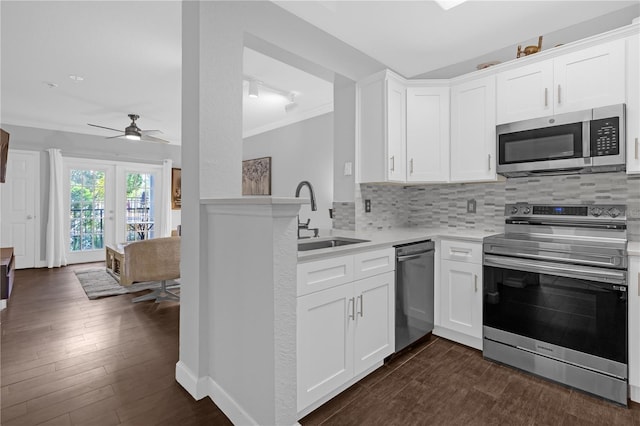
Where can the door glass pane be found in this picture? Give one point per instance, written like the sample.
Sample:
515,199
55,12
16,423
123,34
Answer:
87,210
140,214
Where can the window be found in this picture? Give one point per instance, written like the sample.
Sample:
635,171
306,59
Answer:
86,210
139,206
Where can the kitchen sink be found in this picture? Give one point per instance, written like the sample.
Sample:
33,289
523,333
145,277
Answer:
328,243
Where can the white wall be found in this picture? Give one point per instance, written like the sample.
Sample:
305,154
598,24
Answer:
300,151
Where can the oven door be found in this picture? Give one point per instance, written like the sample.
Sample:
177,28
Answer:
580,308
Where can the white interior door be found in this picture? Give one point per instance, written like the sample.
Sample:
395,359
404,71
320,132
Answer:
20,204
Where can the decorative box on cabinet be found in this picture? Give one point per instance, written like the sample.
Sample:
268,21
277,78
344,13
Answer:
584,79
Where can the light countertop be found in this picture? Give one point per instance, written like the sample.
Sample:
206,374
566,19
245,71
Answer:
384,239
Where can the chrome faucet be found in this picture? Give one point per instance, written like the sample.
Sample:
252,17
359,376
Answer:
314,207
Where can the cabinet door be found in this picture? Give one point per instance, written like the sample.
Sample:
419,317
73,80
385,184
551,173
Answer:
396,154
427,134
375,326
461,297
372,159
633,104
473,131
590,78
525,92
325,342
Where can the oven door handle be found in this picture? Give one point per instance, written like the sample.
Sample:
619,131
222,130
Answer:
559,269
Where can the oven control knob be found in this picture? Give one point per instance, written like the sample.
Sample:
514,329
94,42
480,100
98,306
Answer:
596,211
614,212
526,210
514,210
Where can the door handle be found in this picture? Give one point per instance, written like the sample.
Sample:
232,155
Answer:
393,163
546,96
29,217
489,161
352,302
636,148
475,282
411,166
361,305
559,95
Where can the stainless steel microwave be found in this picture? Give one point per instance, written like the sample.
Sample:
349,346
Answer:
577,142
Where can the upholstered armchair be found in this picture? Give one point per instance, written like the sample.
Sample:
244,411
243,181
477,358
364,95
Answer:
157,259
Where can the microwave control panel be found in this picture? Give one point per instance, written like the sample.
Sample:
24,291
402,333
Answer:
605,138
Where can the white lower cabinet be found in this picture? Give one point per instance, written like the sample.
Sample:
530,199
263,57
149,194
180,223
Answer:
460,295
345,330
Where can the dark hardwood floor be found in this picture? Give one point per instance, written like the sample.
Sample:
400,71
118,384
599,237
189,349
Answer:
69,360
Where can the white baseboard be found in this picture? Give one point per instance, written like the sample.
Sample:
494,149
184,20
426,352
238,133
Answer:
461,338
634,393
228,405
196,386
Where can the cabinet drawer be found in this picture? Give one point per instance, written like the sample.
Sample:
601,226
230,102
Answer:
374,262
323,274
464,251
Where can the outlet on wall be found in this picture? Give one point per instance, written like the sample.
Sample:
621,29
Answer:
367,206
471,206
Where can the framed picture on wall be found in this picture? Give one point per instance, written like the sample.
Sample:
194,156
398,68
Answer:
176,190
256,176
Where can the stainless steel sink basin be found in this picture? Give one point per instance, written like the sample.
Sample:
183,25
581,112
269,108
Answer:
327,243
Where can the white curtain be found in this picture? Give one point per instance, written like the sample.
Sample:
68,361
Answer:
56,235
165,199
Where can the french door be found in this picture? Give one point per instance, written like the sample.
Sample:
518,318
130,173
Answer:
110,203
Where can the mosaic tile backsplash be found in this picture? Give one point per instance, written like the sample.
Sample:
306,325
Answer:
344,215
445,205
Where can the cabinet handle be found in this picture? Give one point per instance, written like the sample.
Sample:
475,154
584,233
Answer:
636,148
546,96
489,161
393,163
475,284
559,95
361,305
457,251
411,166
352,302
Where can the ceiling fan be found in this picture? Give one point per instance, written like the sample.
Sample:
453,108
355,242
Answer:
133,132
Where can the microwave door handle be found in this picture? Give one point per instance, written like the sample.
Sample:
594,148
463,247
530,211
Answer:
586,139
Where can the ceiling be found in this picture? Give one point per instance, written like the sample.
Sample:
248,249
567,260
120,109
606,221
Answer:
129,54
415,37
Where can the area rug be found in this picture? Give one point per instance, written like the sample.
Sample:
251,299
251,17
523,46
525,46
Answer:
98,283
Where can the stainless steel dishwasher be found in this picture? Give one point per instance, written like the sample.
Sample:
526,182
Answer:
414,292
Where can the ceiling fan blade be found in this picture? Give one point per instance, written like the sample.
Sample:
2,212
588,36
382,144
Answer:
149,132
102,127
152,139
114,137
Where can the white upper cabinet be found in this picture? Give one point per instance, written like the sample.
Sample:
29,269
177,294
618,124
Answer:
427,134
381,127
396,131
633,104
524,92
473,130
584,79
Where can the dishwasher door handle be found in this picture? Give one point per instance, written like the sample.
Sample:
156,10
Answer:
412,256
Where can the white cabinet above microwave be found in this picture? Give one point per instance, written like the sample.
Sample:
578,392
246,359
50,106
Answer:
584,79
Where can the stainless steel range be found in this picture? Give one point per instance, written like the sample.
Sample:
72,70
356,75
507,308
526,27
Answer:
555,295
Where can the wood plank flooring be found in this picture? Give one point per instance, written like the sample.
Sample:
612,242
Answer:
67,360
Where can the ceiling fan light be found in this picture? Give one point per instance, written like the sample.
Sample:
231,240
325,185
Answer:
253,89
449,4
132,137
